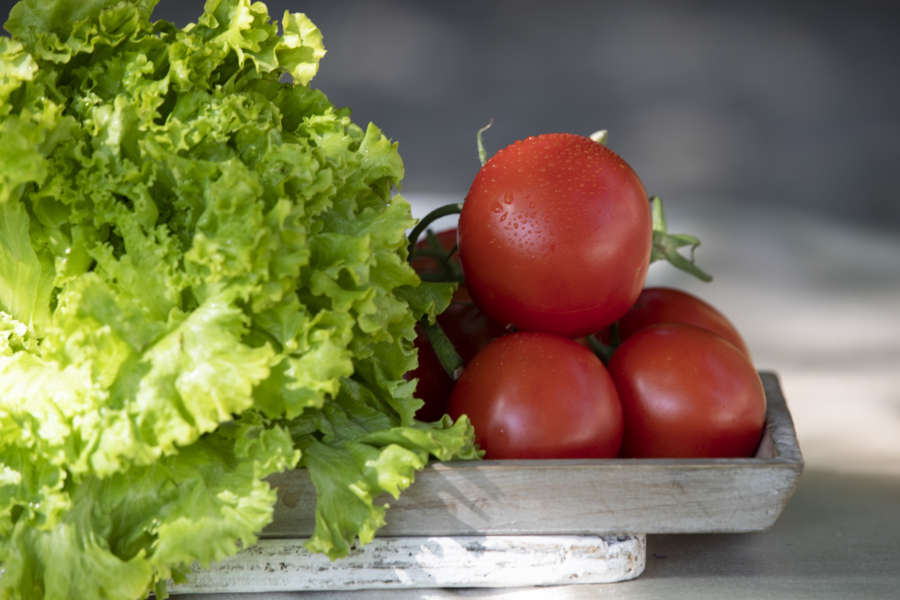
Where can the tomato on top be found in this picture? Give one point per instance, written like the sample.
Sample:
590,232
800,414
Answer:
555,235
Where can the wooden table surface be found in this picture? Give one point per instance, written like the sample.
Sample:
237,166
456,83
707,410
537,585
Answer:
818,303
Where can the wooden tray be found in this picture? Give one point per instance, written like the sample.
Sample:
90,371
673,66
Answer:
525,522
584,497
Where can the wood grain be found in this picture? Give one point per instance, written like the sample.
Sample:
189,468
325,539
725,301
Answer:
583,497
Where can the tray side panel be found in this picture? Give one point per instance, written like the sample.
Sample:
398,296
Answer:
574,500
779,423
589,497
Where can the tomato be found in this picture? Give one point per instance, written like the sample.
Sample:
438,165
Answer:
667,305
433,385
539,395
469,330
555,235
687,392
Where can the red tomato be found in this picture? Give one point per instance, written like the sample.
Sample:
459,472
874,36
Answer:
433,385
539,395
555,235
687,392
470,330
667,305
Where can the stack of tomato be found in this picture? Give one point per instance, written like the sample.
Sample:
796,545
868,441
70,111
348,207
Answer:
566,353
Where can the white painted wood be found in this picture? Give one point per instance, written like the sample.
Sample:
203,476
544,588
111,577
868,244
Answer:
426,562
583,497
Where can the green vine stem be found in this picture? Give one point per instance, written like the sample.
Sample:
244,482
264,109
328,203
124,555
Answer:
441,211
443,348
603,351
666,245
450,270
600,136
479,142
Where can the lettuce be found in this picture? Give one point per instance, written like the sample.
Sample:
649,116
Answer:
203,281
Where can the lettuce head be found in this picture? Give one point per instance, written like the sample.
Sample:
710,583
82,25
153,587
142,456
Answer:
203,281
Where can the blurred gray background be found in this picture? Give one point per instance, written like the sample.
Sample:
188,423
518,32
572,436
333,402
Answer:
768,104
788,105
770,129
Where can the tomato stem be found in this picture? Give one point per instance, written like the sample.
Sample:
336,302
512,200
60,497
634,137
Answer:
450,270
443,348
600,136
666,245
479,142
441,277
603,351
441,211
614,337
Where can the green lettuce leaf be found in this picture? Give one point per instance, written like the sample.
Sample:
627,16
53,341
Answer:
203,281
363,456
119,536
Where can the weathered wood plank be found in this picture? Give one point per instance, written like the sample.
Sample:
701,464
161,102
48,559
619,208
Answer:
583,497
426,562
